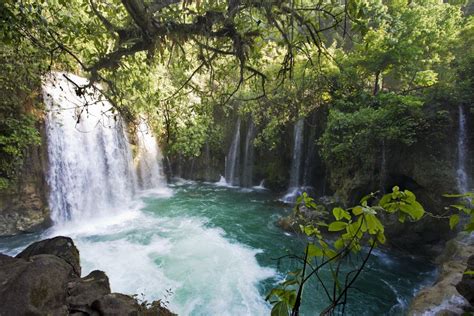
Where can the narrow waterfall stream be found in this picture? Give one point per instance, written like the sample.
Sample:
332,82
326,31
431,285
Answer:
310,154
150,171
247,172
462,144
294,184
233,157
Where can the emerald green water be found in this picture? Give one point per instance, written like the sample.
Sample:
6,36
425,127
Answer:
210,250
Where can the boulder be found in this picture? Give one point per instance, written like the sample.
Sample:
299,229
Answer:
116,304
44,279
466,286
156,309
34,287
62,247
83,292
443,295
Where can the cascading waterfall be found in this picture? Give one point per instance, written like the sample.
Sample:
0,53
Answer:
462,178
232,159
90,161
248,156
293,187
150,172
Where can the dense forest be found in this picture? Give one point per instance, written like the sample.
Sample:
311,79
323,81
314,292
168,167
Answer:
348,123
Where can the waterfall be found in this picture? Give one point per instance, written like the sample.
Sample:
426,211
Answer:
207,161
248,155
293,187
383,168
310,154
150,171
297,151
462,178
91,171
232,159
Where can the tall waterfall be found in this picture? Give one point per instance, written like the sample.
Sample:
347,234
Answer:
462,178
297,153
150,171
232,159
383,168
293,187
91,169
310,153
247,172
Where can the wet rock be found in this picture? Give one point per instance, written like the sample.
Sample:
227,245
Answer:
83,292
24,205
44,280
156,309
37,286
466,286
116,304
443,296
62,247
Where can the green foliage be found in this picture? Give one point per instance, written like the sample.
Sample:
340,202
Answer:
330,244
357,129
16,135
22,65
464,208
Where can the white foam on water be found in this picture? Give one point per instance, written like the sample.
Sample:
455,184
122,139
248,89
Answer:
453,304
223,183
142,253
260,186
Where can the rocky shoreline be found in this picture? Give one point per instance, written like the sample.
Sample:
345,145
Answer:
453,291
45,279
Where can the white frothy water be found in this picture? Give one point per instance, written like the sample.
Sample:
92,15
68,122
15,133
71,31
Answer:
95,200
223,182
141,253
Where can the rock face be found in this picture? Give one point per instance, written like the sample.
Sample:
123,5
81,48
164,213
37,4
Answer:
62,247
24,206
443,297
44,279
466,286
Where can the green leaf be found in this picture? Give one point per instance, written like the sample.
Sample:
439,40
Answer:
314,251
381,238
453,220
339,243
280,309
414,210
402,217
337,226
357,210
465,195
339,213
